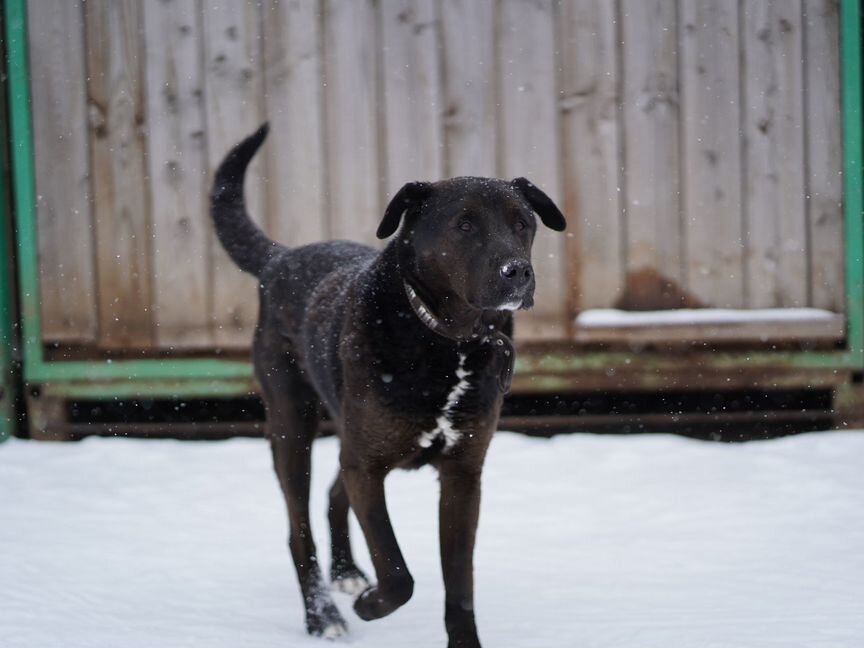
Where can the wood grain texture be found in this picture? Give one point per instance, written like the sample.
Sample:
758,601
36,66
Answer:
351,75
774,162
590,152
530,146
177,162
64,218
706,176
468,38
293,69
710,124
412,92
824,154
118,148
651,155
234,101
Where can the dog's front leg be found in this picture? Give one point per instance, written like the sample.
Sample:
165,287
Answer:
395,584
459,511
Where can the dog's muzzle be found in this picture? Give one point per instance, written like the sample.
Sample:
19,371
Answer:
517,273
517,279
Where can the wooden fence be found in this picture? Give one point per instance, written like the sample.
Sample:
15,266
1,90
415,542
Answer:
695,146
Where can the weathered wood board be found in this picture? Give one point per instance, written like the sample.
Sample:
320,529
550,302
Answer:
352,104
529,140
412,93
469,109
234,108
652,173
824,158
121,206
177,168
62,168
774,169
293,95
590,116
696,147
711,151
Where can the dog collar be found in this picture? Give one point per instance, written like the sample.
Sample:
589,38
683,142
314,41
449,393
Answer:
501,344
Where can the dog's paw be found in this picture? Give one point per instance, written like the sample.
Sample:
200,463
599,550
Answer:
374,603
328,630
369,604
334,631
352,583
326,622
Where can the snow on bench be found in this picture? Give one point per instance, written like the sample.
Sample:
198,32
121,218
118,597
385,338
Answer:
708,324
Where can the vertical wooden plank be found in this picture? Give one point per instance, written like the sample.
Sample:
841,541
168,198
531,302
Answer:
177,174
412,92
119,170
64,219
530,146
774,154
825,153
710,116
651,164
352,129
468,37
233,101
590,121
293,80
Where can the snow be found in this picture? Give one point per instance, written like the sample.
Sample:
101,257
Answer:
611,317
590,541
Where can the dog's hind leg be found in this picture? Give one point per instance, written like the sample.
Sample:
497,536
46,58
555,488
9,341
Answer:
292,421
344,573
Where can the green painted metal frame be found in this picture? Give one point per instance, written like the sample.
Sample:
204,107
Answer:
190,377
8,383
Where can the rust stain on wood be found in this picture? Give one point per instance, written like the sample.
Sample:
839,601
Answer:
647,289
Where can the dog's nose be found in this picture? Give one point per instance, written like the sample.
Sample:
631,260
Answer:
518,272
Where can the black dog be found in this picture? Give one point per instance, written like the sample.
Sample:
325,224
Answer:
408,349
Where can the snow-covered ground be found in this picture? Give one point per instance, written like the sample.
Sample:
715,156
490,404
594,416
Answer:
636,541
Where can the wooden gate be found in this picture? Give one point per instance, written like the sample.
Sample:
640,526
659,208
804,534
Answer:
695,146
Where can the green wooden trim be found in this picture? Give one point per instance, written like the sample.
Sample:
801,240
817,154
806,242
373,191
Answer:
137,389
8,392
528,361
189,368
18,75
566,362
853,173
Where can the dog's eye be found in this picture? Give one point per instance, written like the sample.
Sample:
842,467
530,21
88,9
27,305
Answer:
520,225
465,226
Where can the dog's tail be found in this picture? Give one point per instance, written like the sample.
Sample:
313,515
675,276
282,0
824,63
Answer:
247,245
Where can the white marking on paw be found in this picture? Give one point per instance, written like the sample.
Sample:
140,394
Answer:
443,424
334,631
352,585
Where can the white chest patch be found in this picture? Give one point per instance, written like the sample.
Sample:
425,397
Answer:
443,424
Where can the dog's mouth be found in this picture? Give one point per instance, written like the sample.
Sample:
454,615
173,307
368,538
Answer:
504,300
516,302
511,305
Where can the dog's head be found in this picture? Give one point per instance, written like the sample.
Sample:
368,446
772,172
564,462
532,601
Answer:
472,237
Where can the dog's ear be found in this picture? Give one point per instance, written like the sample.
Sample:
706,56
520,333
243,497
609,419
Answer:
541,203
408,196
